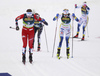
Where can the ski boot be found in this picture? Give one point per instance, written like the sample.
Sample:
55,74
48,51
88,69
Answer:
58,53
76,36
23,58
30,58
82,38
67,53
30,55
38,49
24,55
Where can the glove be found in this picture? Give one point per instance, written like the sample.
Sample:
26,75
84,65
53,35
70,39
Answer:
57,15
54,19
45,23
75,5
88,8
77,19
17,28
16,22
73,15
43,20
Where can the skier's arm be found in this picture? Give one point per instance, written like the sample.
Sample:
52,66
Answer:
73,16
40,19
87,8
56,17
43,20
16,20
78,6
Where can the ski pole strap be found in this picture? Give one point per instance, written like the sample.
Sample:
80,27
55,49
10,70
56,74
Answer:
16,22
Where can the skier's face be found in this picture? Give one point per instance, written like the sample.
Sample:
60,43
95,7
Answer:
29,14
65,15
65,11
37,16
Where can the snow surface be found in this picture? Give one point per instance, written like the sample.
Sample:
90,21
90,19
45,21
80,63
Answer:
86,61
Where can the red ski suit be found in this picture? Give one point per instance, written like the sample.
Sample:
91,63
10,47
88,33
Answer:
27,30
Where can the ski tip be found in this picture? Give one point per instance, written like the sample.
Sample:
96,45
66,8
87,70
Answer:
67,57
31,62
10,27
59,58
24,63
82,40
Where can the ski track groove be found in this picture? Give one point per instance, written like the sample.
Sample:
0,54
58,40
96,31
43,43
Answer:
75,66
40,70
21,66
27,69
33,69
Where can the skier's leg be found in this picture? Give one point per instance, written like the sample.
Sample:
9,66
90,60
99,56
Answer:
35,30
31,36
84,27
67,33
59,47
39,39
78,28
24,39
67,47
61,40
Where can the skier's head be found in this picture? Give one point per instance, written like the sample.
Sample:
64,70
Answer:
84,4
37,15
29,12
65,11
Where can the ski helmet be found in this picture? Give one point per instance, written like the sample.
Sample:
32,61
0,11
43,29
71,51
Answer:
29,12
37,15
65,11
84,3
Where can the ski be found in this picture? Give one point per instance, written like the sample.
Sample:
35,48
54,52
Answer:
59,57
67,57
23,62
76,37
79,38
24,59
39,50
30,62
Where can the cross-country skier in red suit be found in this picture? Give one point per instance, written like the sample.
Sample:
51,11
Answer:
27,32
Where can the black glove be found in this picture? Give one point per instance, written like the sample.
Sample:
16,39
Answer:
45,23
17,28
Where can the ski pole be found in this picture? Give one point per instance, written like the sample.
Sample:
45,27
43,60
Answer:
87,27
72,33
12,27
46,39
72,37
55,37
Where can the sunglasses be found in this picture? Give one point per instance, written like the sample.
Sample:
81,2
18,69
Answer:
29,12
65,15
